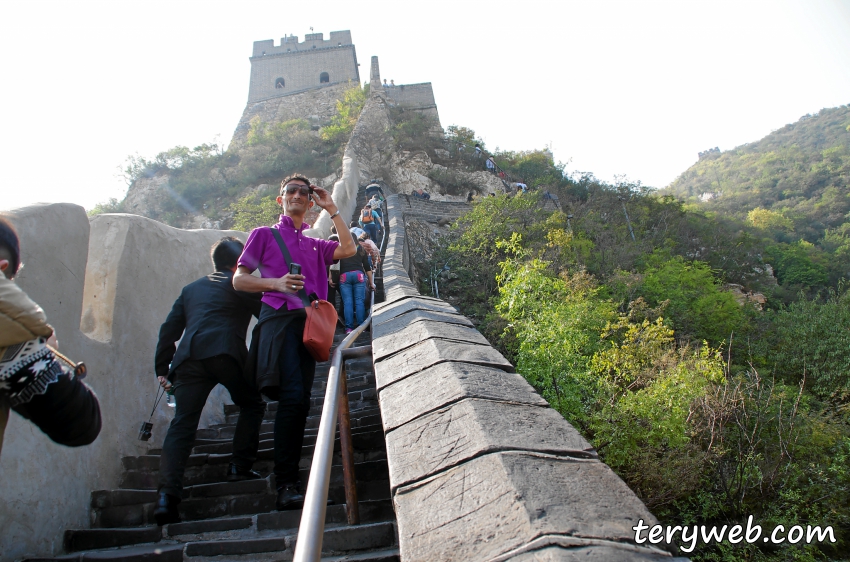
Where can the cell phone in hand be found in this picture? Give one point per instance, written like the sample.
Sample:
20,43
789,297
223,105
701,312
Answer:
295,269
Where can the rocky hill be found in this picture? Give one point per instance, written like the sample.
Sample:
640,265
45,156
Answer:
795,179
208,187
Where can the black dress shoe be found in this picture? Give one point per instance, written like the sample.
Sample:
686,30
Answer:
237,474
166,509
290,497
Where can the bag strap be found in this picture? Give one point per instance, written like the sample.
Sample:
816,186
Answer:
287,258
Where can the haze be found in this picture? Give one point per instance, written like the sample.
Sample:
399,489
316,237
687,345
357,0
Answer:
615,88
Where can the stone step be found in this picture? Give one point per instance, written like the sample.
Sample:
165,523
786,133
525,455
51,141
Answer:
90,539
357,400
355,382
131,508
220,528
147,478
389,555
378,537
217,432
366,438
222,446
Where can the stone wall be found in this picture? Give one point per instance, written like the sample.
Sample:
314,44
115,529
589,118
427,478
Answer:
413,96
300,65
106,286
481,468
317,105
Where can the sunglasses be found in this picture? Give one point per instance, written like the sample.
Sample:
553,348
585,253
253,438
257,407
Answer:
293,187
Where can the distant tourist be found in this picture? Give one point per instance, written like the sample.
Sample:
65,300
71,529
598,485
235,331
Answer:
370,221
354,229
477,150
375,203
371,248
421,194
354,272
491,165
521,186
469,197
392,83
385,83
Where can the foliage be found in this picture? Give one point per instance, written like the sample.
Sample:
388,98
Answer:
628,339
793,186
112,205
535,168
557,321
695,304
457,135
256,209
207,179
412,130
811,339
347,111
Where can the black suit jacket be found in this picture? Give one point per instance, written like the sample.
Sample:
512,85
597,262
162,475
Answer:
215,318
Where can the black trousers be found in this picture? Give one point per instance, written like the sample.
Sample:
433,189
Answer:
193,384
297,369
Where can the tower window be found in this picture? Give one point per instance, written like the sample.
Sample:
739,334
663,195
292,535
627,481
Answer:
280,83
324,78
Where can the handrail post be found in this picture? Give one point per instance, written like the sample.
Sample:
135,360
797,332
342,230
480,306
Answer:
308,545
346,445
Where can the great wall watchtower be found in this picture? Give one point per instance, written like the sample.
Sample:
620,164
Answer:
292,67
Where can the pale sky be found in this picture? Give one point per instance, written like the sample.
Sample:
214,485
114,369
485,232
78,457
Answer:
618,88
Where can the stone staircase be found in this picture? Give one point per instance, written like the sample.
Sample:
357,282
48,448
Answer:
229,521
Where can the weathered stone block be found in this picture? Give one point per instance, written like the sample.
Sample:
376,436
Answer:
393,325
431,352
421,331
446,383
399,290
472,427
593,553
390,309
494,504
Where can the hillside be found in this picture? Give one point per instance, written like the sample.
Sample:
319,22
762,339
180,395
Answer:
792,189
801,173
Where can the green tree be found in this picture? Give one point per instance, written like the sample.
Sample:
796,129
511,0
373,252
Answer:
347,111
696,305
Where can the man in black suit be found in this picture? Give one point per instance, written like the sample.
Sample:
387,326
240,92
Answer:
212,318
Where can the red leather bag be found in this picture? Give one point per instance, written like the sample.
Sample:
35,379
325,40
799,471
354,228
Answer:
319,329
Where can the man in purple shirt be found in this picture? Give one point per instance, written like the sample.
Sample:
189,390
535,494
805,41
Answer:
283,367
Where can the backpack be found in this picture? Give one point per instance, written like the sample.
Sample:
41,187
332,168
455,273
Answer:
366,216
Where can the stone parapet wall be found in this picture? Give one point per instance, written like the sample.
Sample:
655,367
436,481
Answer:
432,211
481,468
106,286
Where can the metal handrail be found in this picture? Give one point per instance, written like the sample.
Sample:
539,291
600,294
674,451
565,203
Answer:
308,546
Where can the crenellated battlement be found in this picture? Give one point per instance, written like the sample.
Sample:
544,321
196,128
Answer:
311,41
293,66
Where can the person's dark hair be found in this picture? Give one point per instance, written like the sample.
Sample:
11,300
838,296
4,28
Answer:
225,253
10,244
365,236
291,177
360,250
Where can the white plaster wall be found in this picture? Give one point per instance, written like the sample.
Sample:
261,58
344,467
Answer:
118,276
344,195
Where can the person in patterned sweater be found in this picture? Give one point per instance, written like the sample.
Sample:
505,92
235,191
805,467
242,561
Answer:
33,382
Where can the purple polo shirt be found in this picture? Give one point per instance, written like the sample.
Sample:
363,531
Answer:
314,254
